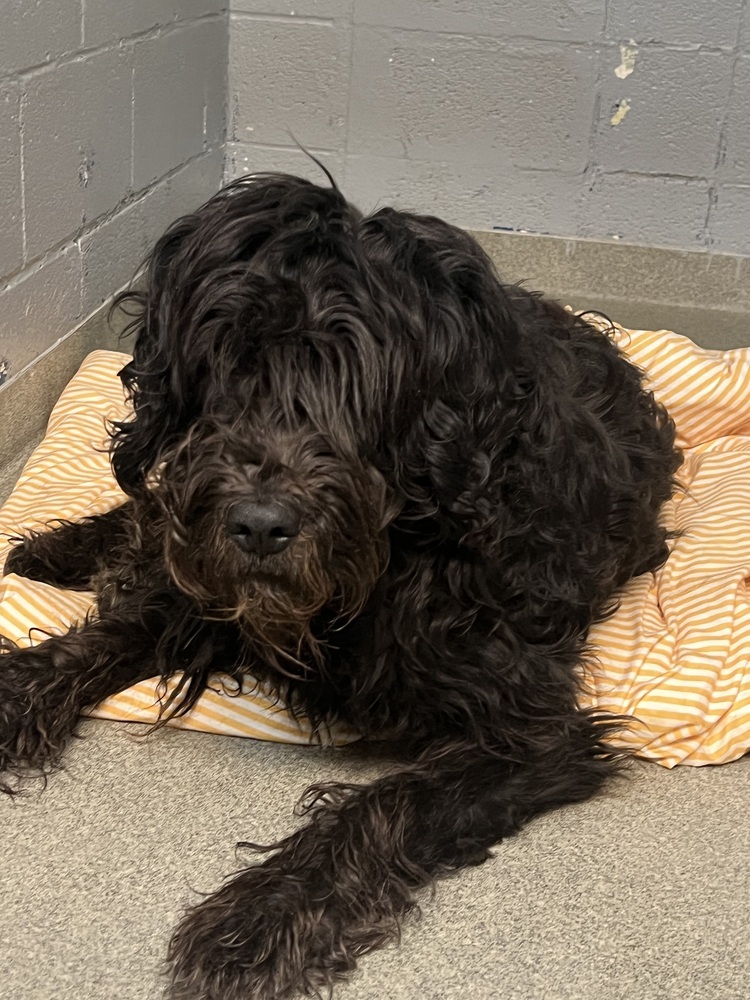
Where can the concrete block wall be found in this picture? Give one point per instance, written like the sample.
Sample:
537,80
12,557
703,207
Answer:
112,120
594,118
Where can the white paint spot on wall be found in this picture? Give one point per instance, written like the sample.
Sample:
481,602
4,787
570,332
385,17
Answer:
86,168
622,109
628,56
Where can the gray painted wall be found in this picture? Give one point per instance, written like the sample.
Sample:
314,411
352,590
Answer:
594,118
597,118
112,117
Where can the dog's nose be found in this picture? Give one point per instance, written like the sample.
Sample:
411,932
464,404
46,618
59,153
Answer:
262,528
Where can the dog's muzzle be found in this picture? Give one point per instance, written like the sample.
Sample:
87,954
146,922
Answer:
262,528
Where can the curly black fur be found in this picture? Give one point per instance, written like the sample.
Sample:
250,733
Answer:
463,475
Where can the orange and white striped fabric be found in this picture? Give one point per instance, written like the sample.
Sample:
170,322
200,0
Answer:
68,477
676,655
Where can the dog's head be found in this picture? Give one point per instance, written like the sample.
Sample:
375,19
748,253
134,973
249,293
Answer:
304,377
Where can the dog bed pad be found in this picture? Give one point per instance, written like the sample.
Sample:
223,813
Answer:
676,654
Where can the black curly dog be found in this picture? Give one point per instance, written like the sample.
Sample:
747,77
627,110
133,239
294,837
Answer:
367,472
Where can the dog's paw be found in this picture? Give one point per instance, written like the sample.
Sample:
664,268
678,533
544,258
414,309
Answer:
23,561
37,718
42,557
266,935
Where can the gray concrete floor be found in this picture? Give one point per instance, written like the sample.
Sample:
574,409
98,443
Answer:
643,894
640,895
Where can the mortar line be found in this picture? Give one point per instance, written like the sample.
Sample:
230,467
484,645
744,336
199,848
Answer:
22,142
242,15
225,92
590,170
713,194
132,125
657,174
348,119
278,147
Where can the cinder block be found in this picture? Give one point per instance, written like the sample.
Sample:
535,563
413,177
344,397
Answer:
471,196
471,100
242,158
33,32
113,252
730,219
186,10
11,232
676,102
104,20
288,76
76,146
40,308
172,73
736,154
215,40
575,20
700,22
657,211
294,8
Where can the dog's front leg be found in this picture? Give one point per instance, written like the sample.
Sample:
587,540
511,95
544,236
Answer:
340,886
44,688
69,554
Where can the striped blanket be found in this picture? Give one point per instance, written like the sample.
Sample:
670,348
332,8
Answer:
675,656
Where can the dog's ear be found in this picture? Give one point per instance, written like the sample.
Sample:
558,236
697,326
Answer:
205,284
156,412
459,406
